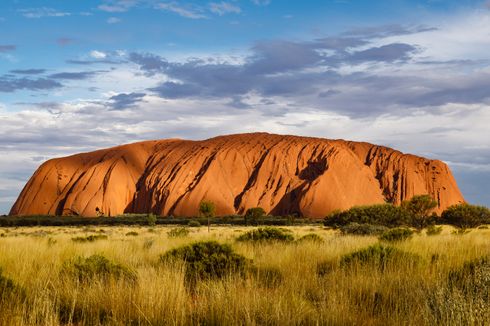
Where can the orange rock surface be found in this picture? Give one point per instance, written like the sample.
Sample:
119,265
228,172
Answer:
282,174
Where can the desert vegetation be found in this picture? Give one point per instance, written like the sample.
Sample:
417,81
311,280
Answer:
242,275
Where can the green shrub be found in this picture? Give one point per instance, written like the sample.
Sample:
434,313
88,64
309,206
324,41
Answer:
207,260
433,230
132,233
466,216
311,237
379,256
254,215
362,229
207,209
465,296
90,238
178,232
151,219
473,278
266,234
381,214
96,266
396,234
194,224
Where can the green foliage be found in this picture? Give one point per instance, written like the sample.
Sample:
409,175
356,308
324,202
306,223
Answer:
254,215
382,214
207,260
132,233
379,256
466,216
433,230
194,224
151,219
96,266
266,234
419,208
473,278
396,234
178,232
362,229
207,209
311,237
90,238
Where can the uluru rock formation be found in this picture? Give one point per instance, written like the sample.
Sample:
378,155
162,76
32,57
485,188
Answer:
282,174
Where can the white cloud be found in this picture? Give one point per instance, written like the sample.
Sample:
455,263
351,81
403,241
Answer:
42,12
117,5
113,20
191,12
98,54
222,8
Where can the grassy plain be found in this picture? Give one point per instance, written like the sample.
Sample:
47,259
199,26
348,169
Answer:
308,286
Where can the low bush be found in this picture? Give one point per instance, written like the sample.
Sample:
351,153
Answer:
383,214
132,233
466,216
194,224
362,229
266,234
85,269
90,238
311,237
178,232
207,260
473,278
396,234
254,215
433,230
379,256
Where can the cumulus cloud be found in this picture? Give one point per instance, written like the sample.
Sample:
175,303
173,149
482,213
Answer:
123,101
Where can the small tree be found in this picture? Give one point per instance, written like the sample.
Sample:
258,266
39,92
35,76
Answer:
253,215
151,219
207,209
466,216
419,207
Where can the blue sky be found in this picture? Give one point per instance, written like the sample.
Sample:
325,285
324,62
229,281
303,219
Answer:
80,75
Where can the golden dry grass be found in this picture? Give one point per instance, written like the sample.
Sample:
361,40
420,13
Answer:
400,295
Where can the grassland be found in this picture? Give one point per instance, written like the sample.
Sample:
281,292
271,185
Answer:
305,283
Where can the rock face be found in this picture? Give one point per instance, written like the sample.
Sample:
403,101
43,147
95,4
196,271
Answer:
282,174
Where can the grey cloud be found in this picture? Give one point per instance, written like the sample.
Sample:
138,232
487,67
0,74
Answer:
386,53
123,101
74,75
7,48
387,30
92,62
28,71
150,63
9,84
